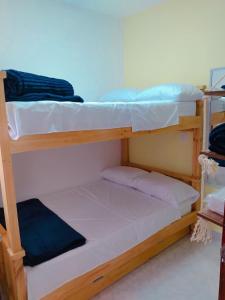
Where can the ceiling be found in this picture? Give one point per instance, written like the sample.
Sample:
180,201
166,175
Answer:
116,8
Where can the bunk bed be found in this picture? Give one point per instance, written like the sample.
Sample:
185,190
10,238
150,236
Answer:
13,276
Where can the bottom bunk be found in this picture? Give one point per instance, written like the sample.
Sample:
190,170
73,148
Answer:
123,226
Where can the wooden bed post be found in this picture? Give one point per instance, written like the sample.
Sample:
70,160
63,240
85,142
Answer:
14,251
125,152
197,147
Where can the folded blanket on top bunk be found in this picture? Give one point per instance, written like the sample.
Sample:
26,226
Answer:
21,86
43,234
217,141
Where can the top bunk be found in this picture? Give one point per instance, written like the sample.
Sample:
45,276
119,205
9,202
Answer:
39,125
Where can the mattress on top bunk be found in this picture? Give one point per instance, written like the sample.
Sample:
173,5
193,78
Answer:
112,217
49,116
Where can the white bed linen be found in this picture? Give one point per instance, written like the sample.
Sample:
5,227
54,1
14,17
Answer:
112,217
216,200
218,105
27,118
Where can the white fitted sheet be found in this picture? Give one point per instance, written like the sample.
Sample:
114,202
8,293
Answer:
27,118
113,218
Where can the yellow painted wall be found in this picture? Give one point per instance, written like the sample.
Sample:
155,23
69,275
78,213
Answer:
175,41
162,151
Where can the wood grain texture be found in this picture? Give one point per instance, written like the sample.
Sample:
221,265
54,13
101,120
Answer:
12,250
214,93
125,156
3,284
6,179
196,149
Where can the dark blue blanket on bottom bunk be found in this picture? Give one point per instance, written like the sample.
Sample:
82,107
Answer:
43,234
22,86
217,141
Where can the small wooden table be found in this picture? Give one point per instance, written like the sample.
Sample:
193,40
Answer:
220,221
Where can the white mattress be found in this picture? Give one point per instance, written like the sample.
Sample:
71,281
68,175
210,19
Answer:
218,105
27,118
216,200
112,217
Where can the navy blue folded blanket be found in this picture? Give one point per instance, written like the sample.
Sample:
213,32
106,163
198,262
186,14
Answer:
217,141
22,86
43,234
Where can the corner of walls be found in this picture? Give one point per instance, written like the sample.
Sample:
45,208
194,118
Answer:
174,41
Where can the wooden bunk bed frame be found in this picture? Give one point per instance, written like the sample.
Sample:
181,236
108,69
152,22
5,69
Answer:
12,275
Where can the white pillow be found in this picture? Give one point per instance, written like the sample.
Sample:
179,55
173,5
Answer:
123,175
121,95
166,188
173,91
216,201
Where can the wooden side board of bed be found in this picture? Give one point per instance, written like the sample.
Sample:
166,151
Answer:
12,275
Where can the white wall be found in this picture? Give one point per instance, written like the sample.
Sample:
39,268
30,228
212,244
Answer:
57,39
45,171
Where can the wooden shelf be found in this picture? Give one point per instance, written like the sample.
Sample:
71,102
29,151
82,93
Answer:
220,93
214,155
211,216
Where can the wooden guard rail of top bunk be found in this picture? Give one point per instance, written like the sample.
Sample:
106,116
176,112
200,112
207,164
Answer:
12,274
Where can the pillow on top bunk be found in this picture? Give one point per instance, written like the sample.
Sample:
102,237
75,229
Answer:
166,188
172,92
120,95
123,175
